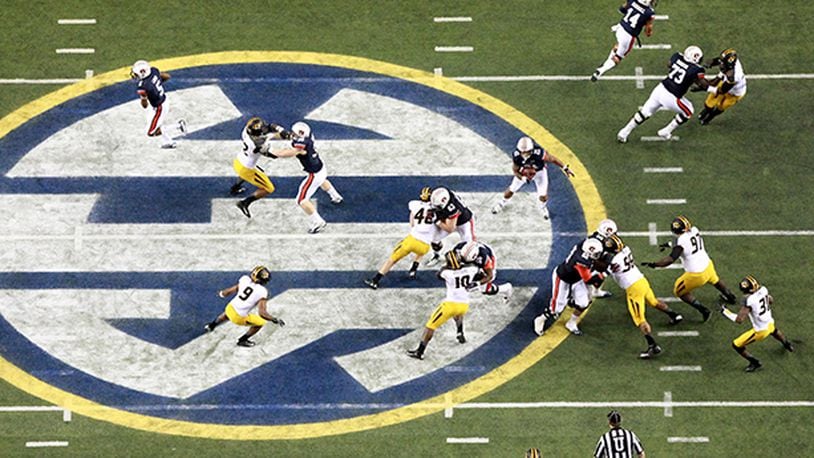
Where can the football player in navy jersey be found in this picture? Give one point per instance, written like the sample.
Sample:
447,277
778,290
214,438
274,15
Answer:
452,216
302,147
529,166
637,16
481,255
569,282
151,92
685,70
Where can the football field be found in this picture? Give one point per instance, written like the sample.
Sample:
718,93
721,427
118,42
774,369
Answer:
113,248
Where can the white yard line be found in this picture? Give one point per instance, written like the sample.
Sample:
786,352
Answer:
766,233
680,369
639,72
40,81
454,49
75,50
467,440
631,404
692,440
657,46
656,138
666,201
677,333
669,299
652,238
452,19
668,403
438,71
76,21
663,170
47,444
661,17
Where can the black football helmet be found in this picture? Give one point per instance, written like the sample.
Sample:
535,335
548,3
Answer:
453,260
680,225
260,275
257,127
728,58
613,244
749,284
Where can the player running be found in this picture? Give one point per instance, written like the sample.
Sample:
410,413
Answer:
637,15
150,89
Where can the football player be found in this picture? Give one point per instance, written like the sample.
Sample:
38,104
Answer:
757,304
726,89
637,15
302,147
685,70
606,228
249,292
529,166
423,231
451,216
481,255
569,286
457,276
256,137
638,292
150,89
698,267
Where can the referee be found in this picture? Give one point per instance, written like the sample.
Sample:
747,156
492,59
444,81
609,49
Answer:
618,442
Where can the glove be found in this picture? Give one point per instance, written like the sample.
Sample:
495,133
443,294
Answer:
278,321
567,171
664,246
474,286
275,128
221,295
652,265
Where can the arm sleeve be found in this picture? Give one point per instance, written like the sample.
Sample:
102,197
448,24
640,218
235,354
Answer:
676,253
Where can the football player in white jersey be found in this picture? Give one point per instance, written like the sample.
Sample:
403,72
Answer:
606,228
256,137
726,89
250,292
698,267
757,305
638,292
423,232
457,276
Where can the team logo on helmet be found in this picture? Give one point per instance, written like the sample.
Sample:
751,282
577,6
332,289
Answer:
607,227
260,275
301,129
425,194
140,70
592,248
749,284
439,197
728,57
693,54
680,225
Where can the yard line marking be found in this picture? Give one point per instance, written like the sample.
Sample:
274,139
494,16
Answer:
680,369
88,74
467,440
693,440
452,19
677,333
766,233
666,202
669,299
629,404
659,139
448,410
663,170
661,17
668,403
75,50
39,81
438,71
653,239
639,72
454,49
657,46
66,415
76,21
47,444
30,408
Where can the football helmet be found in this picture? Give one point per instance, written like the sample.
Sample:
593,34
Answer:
525,144
533,453
614,244
425,193
300,130
260,275
592,248
693,54
140,70
728,58
453,261
749,284
256,126
645,2
607,227
439,197
680,225
469,251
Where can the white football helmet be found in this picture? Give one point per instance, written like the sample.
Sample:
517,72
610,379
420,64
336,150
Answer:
592,248
301,129
693,54
439,198
469,252
525,144
645,2
140,70
607,227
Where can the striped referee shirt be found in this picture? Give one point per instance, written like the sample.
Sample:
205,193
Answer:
618,443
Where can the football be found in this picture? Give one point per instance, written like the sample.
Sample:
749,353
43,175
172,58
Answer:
528,172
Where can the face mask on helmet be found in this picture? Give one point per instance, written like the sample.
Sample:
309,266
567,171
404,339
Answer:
680,225
592,248
607,227
301,129
260,275
693,54
140,70
439,198
749,285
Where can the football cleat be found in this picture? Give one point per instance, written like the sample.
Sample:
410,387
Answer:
705,314
753,366
508,289
435,259
244,207
539,324
170,145
601,293
573,328
665,134
676,319
208,327
415,354
371,284
788,346
245,343
546,216
337,200
651,351
412,274
621,138
595,76
317,228
236,189
461,338
182,126
498,207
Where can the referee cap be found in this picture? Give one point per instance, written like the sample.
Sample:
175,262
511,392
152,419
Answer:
614,417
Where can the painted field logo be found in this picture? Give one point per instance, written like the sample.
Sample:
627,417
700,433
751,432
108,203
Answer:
114,249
